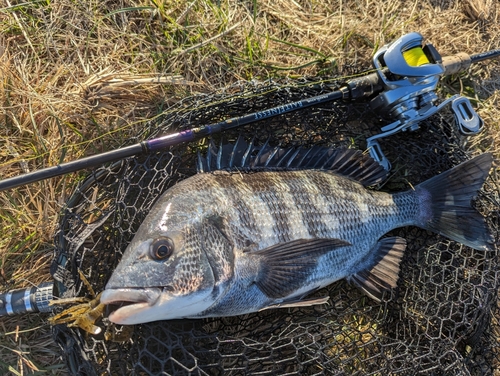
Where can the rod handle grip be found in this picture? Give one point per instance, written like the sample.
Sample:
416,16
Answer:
362,87
456,63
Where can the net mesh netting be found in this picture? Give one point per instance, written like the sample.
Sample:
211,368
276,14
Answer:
442,319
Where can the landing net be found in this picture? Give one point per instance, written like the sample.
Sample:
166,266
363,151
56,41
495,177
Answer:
442,319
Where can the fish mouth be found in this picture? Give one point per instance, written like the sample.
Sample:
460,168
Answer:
130,302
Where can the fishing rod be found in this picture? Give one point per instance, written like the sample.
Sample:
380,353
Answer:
402,90
369,83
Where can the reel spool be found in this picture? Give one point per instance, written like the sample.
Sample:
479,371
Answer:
409,71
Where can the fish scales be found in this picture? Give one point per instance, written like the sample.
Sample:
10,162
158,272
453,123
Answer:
225,243
338,207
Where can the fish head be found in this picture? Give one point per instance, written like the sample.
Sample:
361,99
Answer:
173,268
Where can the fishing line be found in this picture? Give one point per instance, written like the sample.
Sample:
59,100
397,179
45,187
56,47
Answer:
415,57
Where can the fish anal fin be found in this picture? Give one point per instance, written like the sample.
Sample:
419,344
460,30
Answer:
284,267
383,274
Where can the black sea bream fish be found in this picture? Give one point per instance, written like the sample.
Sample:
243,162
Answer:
226,243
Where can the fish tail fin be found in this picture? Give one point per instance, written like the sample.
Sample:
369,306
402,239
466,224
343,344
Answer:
446,203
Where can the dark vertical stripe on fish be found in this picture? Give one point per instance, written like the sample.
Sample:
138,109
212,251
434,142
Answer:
306,199
267,188
277,207
340,202
238,190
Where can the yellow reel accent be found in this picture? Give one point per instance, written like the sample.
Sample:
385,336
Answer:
415,57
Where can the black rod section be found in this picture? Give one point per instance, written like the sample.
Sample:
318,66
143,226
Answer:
164,142
72,166
485,56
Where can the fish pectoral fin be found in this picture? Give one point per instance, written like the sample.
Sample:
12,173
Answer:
383,273
299,303
284,267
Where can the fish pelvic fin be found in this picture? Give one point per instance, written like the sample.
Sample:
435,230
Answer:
284,267
299,302
446,203
382,274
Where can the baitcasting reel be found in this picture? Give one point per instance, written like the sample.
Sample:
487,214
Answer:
409,72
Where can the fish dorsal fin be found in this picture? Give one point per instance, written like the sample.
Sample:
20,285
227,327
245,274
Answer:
243,155
284,267
382,271
358,166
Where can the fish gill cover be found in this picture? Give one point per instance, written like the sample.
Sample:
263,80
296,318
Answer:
442,319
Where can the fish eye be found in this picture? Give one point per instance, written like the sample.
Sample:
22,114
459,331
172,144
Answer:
162,248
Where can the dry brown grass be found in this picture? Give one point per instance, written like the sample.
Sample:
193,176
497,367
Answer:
78,77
